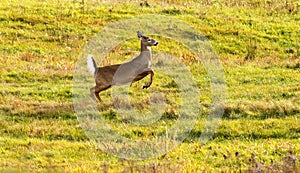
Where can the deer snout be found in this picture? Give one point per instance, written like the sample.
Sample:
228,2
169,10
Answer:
155,44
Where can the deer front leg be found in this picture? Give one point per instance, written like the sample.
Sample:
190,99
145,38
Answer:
144,74
150,80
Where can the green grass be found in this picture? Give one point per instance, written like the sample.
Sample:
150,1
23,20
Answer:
257,43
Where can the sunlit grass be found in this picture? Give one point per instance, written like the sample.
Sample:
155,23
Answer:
257,43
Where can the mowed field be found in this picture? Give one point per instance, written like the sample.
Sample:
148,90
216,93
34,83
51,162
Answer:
257,43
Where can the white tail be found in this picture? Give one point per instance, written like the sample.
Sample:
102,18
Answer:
91,64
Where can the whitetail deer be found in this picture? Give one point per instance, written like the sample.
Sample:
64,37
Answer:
120,74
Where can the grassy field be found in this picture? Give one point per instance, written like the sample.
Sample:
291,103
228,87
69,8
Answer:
257,43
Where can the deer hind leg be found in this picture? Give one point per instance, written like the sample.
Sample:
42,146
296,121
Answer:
95,93
97,89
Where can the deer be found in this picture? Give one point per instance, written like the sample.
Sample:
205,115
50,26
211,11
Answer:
126,73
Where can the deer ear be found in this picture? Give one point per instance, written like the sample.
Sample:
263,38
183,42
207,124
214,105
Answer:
139,34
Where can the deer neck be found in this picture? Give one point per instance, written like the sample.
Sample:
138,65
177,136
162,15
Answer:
145,48
146,51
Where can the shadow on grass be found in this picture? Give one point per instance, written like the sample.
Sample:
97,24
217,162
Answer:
260,110
40,111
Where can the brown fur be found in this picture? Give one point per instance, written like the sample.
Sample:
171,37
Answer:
121,74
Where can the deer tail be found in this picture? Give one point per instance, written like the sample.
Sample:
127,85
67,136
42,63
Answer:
91,64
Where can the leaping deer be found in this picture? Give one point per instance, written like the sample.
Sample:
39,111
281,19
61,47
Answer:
121,74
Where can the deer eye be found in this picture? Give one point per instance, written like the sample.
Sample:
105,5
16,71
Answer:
149,40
